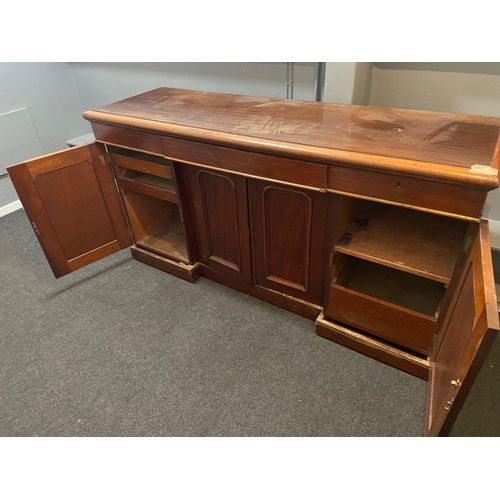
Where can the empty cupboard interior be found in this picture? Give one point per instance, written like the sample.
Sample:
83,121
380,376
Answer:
391,267
151,203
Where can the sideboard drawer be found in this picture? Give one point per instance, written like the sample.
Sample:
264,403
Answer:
140,162
393,305
423,194
300,173
128,138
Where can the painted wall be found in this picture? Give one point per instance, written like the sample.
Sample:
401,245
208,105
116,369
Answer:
348,82
102,83
39,110
452,87
339,82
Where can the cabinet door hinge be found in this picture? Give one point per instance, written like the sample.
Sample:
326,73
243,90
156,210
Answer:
37,232
108,158
331,260
433,339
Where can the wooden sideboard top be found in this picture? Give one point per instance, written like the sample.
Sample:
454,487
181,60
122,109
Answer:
453,147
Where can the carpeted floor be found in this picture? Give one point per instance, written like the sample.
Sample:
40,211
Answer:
122,349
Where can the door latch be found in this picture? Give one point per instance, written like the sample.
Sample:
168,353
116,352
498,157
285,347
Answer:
37,232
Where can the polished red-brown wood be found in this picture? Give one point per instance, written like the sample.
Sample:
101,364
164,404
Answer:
139,140
466,341
288,234
73,205
421,194
435,144
188,272
370,346
142,163
220,207
282,300
300,173
424,244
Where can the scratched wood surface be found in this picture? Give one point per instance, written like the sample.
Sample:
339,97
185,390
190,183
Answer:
440,138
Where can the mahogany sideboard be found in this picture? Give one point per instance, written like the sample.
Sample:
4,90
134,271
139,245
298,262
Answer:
365,219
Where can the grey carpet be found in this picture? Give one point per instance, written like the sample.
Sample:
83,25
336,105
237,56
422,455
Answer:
122,349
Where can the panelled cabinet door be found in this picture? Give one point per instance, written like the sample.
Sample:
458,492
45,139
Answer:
73,205
220,208
288,235
466,340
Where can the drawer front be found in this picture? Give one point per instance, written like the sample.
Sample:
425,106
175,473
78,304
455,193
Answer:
266,167
128,138
140,165
387,321
430,195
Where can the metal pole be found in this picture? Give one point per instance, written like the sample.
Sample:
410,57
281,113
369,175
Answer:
319,81
289,80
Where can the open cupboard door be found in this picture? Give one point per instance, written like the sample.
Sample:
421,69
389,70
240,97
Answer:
465,341
73,205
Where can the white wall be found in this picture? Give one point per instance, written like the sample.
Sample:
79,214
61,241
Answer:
102,83
348,82
452,87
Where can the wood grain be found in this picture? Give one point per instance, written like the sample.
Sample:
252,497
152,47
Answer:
387,303
420,194
220,206
184,271
141,164
377,349
156,187
73,204
293,304
424,244
300,173
168,240
288,238
421,143
469,335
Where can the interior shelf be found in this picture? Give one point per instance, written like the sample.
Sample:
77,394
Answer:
416,242
167,240
150,185
393,286
142,162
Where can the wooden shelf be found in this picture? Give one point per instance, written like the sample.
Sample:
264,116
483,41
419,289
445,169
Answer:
419,243
150,185
143,163
393,286
167,240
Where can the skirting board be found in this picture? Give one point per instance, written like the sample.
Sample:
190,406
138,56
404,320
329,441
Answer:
11,207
